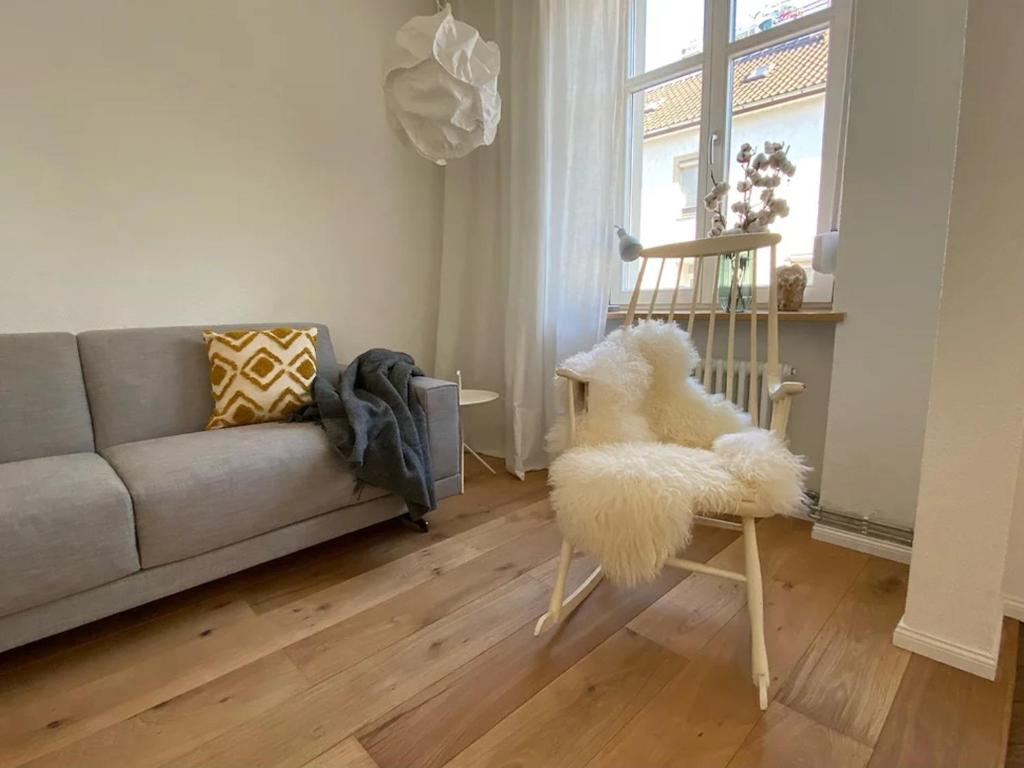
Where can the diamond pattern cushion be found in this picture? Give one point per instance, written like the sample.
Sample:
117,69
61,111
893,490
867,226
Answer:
259,375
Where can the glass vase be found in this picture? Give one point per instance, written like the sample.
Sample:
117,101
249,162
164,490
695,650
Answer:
743,277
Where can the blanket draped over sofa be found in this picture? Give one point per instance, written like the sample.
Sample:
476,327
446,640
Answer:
653,449
372,417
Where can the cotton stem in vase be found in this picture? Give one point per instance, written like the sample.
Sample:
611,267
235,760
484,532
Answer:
757,209
764,171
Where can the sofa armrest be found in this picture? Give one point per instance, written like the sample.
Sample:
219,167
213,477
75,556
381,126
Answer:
440,400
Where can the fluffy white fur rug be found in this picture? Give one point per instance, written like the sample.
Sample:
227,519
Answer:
652,449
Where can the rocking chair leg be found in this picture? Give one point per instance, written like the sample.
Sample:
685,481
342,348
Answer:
560,606
755,604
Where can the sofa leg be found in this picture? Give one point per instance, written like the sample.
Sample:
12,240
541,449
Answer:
420,524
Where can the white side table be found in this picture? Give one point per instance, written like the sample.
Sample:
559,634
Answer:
468,397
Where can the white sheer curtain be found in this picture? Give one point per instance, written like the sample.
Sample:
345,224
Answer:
528,238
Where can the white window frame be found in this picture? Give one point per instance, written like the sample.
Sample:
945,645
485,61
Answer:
719,50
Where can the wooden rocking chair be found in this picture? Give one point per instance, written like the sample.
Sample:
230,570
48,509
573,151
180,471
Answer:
780,392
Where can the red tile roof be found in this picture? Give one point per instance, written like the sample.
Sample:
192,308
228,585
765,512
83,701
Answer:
789,69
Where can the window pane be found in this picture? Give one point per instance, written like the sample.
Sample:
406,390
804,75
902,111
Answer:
752,16
671,29
778,94
668,191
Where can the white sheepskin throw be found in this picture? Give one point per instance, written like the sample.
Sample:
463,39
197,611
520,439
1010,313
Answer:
652,450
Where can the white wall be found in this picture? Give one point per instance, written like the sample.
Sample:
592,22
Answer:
904,95
200,162
975,423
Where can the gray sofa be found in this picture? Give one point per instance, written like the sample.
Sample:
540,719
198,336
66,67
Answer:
112,494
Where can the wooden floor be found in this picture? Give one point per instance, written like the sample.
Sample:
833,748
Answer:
1015,754
393,649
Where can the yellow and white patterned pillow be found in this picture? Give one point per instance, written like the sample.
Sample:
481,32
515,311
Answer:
259,375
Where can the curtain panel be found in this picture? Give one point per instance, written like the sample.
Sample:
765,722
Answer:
528,241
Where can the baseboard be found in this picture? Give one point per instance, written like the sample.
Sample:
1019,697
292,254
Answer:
1013,607
980,663
878,547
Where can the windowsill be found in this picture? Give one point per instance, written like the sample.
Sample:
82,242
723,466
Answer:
800,316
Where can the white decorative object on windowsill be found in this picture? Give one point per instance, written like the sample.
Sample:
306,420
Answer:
441,86
792,281
826,248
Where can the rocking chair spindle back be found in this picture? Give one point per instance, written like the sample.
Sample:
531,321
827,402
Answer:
711,251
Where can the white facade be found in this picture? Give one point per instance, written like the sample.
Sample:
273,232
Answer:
798,123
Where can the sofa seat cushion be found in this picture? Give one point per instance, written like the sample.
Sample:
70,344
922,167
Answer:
199,491
65,527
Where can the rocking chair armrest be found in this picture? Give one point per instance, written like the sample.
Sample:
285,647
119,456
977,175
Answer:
571,375
781,394
783,389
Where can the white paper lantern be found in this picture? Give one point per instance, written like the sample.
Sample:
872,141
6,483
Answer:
441,86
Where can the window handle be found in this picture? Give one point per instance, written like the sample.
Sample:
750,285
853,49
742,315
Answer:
712,143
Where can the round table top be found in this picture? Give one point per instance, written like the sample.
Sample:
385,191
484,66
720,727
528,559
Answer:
477,396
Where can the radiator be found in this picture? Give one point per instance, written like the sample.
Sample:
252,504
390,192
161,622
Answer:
740,382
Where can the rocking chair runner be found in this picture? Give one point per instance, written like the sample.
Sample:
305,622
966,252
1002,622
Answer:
780,394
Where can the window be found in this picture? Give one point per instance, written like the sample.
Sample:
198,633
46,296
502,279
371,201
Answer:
708,75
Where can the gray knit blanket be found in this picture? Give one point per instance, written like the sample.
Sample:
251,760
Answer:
373,419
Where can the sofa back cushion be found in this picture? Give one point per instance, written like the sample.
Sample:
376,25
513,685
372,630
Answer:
43,408
154,382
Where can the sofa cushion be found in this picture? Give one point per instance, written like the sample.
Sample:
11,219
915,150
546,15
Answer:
65,526
203,490
154,382
43,410
259,375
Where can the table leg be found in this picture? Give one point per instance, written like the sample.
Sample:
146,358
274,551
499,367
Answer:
479,458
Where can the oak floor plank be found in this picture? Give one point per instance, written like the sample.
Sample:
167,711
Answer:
339,647
582,565
78,664
568,721
487,497
848,679
300,729
173,727
272,585
348,754
326,607
1015,747
320,610
523,517
444,666
707,711
111,630
51,722
783,738
433,727
942,716
686,618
